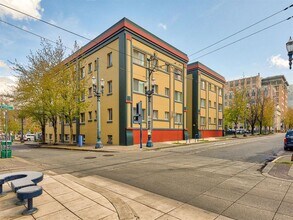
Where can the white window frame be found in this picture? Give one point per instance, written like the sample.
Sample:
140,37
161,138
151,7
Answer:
110,59
178,96
138,57
202,103
140,86
178,118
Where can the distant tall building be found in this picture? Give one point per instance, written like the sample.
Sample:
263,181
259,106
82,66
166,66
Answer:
274,87
290,96
251,84
280,84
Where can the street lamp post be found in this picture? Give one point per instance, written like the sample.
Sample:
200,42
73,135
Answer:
149,91
98,89
289,46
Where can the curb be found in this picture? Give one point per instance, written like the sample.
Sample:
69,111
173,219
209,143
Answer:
267,169
79,149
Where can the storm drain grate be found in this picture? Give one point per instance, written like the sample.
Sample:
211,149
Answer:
90,157
108,155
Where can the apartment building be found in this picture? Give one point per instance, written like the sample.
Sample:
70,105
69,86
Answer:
280,84
204,101
250,84
123,51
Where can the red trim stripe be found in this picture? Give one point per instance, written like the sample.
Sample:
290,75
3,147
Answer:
125,24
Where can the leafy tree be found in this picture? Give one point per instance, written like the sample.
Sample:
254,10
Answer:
269,111
72,91
236,111
289,118
35,93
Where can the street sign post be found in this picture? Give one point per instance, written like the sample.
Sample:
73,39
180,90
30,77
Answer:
5,145
7,107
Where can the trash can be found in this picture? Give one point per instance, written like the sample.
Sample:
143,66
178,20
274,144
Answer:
80,140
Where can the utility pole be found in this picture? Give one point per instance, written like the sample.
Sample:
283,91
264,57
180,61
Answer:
149,91
98,88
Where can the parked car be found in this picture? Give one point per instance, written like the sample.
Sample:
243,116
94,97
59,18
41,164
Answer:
288,140
29,137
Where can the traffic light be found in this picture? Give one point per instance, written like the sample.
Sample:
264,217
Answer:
137,119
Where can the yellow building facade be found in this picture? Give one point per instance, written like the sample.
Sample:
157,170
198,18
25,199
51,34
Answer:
122,52
205,95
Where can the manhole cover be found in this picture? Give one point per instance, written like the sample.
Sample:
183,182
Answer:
90,157
108,155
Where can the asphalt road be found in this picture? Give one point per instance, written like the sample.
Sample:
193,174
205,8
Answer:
181,173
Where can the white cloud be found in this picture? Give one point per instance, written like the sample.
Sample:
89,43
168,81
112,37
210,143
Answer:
163,26
278,61
7,84
31,7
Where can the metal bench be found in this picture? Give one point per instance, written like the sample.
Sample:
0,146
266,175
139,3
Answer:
29,193
20,179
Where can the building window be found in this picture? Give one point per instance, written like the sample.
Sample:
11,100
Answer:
110,114
210,120
220,107
90,92
110,139
156,89
247,81
82,118
210,104
236,83
215,120
89,67
66,137
203,85
202,120
50,137
96,115
90,116
138,58
155,114
167,92
109,59
178,74
167,115
253,93
220,92
178,96
82,73
215,105
210,86
220,122
138,86
82,96
202,103
178,118
231,84
110,87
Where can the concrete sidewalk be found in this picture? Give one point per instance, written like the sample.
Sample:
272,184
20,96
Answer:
94,197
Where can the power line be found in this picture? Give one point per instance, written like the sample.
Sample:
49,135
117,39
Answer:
41,37
242,38
30,32
61,28
46,22
225,38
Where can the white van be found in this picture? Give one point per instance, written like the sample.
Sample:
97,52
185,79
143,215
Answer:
29,137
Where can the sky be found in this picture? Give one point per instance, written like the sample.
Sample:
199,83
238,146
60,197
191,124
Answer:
188,25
